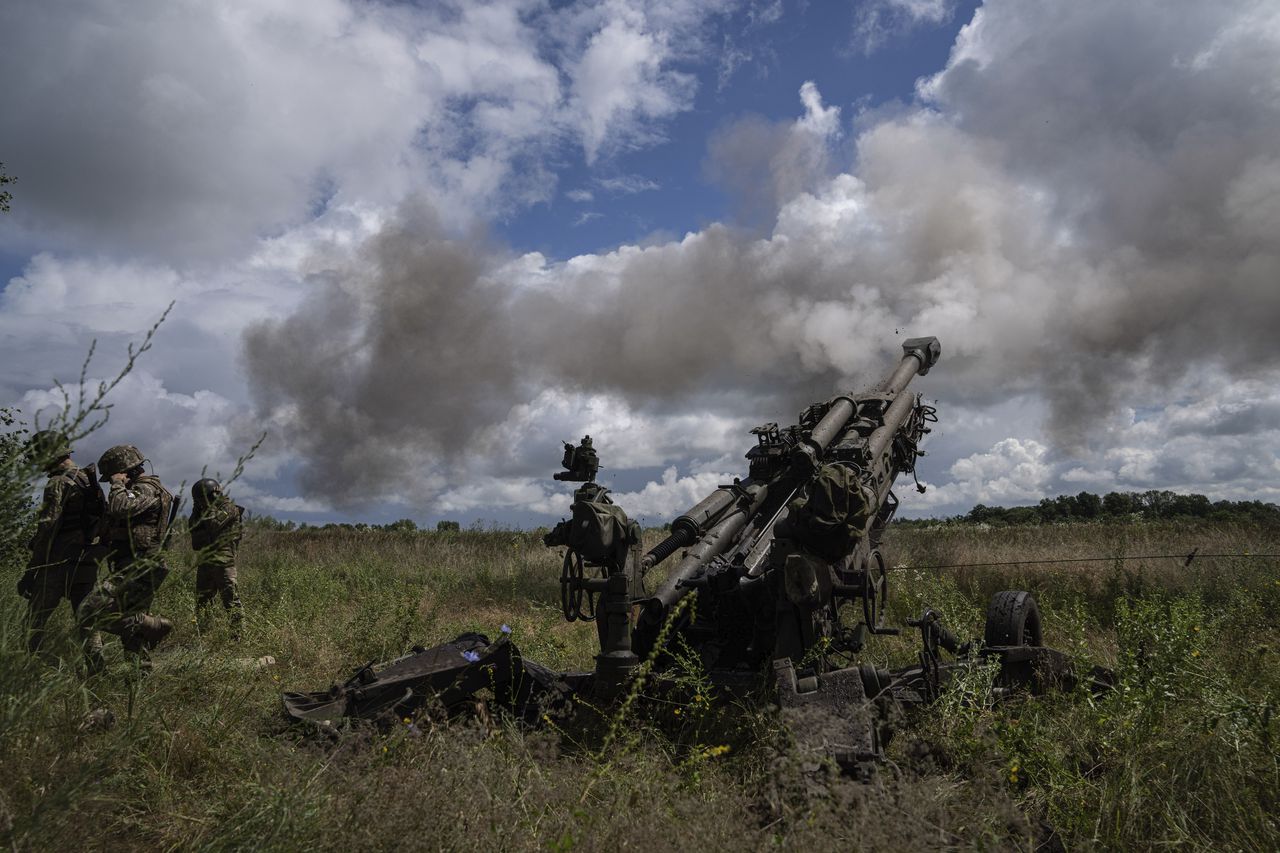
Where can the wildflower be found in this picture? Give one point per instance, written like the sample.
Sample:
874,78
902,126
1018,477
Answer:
506,629
1195,628
1013,772
472,656
714,751
408,721
676,712
1195,653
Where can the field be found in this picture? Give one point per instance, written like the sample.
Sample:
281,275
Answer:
1183,751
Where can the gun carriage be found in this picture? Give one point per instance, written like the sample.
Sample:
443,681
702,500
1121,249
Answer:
776,581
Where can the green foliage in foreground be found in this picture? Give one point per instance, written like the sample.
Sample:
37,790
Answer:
17,512
1182,752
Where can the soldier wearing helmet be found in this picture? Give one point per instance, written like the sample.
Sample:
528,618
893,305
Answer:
216,526
135,528
62,564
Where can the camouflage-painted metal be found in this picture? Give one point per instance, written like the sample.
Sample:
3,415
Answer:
448,676
581,463
791,579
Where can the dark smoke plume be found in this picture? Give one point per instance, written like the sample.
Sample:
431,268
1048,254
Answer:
1082,205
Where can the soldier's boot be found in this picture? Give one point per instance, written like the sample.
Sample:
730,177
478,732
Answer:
235,611
204,610
141,633
152,629
203,618
94,662
38,613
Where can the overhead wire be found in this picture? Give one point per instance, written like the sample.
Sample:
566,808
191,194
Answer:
1186,560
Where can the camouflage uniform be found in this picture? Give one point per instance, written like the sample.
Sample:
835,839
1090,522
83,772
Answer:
137,519
62,564
216,528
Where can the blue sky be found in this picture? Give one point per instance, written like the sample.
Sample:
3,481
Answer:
418,245
809,41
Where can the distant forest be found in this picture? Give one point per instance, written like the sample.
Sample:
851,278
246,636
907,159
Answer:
1114,507
1152,505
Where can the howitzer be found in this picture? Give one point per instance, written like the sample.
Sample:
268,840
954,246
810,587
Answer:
802,533
789,582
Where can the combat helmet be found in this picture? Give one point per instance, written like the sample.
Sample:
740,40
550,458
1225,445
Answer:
204,490
119,459
48,447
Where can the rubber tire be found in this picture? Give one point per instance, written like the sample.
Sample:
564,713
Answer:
1013,619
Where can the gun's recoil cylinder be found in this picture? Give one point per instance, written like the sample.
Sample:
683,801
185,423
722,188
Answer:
811,448
665,549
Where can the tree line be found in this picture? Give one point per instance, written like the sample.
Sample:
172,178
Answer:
403,525
1152,505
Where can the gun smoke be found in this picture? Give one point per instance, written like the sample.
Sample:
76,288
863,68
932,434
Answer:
1085,216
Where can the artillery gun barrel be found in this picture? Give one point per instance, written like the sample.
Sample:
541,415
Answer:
902,375
919,354
714,523
893,420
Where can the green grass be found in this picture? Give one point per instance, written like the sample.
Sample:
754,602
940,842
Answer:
1182,752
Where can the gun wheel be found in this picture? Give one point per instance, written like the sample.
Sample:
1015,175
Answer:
1013,619
571,589
875,589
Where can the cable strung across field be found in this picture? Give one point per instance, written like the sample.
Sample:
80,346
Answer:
1186,558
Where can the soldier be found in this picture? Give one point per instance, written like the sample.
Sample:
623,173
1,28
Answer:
138,514
61,564
216,527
